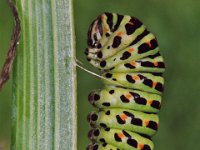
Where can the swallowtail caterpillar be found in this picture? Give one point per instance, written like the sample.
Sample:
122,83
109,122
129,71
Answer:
128,56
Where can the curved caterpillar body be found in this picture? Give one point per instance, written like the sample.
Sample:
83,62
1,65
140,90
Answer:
128,56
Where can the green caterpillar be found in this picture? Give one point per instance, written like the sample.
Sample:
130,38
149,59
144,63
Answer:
128,56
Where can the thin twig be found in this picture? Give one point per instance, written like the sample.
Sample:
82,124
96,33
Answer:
13,45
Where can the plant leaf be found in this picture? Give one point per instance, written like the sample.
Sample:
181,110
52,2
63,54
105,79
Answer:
44,88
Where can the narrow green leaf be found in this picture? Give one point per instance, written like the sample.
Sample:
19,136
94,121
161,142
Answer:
44,88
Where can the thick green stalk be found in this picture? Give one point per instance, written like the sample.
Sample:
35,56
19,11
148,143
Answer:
44,89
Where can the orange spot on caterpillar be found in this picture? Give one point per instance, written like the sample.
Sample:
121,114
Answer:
136,77
155,63
123,117
121,135
130,50
141,146
154,84
105,30
149,43
119,34
146,122
150,101
129,96
133,63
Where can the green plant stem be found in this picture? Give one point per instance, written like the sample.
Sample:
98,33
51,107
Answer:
44,89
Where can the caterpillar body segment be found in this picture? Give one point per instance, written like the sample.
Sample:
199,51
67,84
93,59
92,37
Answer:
152,65
136,121
149,42
134,52
141,81
125,98
127,54
122,139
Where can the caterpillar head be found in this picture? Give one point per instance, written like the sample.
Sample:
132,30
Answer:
97,31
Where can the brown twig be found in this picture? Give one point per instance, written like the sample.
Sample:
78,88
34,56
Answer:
13,45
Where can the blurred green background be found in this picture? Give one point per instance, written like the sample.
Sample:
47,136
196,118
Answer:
6,24
176,25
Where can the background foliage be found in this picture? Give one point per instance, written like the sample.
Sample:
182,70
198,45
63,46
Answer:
176,25
6,24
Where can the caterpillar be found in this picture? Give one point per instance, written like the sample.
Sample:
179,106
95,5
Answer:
130,62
